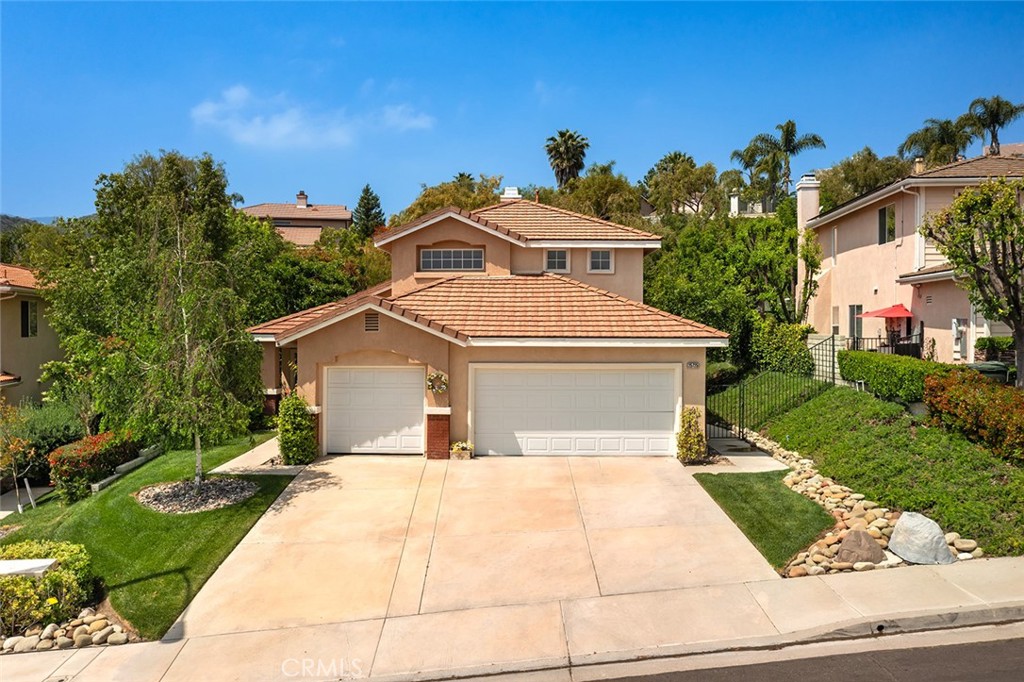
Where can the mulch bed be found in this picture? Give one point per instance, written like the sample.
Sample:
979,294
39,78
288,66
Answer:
182,497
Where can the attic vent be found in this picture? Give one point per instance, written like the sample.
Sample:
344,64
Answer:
928,300
371,323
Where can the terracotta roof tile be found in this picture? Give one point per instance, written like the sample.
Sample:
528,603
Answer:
17,276
300,236
8,378
313,316
979,167
291,211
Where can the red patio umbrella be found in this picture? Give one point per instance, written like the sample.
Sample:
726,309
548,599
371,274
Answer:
893,312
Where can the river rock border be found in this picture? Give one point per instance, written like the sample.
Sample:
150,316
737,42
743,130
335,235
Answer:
851,511
89,629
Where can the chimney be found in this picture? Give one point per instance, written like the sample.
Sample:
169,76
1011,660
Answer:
808,204
918,166
301,200
510,194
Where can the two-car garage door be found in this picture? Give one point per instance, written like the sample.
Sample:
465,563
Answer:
560,410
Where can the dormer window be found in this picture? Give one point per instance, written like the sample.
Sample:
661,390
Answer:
556,260
432,260
601,261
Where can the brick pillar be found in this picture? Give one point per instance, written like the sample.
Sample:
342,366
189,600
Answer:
437,436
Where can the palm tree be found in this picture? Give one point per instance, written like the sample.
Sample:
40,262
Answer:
988,115
566,150
776,151
940,141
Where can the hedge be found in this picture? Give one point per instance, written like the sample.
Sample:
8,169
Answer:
898,378
296,431
998,344
56,596
46,428
74,466
981,409
779,347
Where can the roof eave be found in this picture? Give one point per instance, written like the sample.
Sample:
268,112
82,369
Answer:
599,342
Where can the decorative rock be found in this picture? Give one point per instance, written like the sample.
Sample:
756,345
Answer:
964,545
101,636
118,628
44,645
875,533
75,623
818,558
86,612
117,638
97,625
65,643
964,556
49,631
34,630
842,566
858,547
10,642
919,540
830,539
83,641
870,505
952,537
863,566
978,553
26,644
89,620
815,570
79,631
797,572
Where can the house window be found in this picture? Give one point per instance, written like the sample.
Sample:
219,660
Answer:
887,224
835,320
556,260
601,261
29,319
856,323
451,259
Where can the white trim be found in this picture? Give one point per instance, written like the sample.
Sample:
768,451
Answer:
568,261
314,409
272,391
920,245
437,410
927,277
448,214
356,311
584,342
591,244
263,338
611,262
323,397
572,367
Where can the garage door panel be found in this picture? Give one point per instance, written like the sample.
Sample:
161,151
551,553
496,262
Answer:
375,410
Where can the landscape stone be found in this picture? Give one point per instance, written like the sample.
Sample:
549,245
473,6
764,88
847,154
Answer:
952,537
842,566
858,546
44,645
65,643
978,553
117,638
815,570
11,641
965,545
964,556
919,540
79,631
88,620
863,566
98,625
101,636
26,644
118,628
75,623
34,630
49,631
83,641
797,572
86,612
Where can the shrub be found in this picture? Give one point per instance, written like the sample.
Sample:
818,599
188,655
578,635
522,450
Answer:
74,466
721,373
999,344
691,445
58,595
778,347
296,431
46,428
898,378
981,409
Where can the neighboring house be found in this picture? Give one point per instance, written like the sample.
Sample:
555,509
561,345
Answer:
533,316
302,222
740,207
26,339
874,258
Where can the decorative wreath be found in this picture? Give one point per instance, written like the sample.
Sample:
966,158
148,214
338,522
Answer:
437,382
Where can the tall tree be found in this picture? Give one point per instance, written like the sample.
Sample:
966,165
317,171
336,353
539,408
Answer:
602,193
775,151
368,215
677,184
982,235
567,151
463,191
939,142
988,115
858,174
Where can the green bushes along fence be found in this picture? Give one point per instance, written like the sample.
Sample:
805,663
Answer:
898,378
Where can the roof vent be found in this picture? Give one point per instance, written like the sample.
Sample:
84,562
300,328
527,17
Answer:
301,200
371,323
511,194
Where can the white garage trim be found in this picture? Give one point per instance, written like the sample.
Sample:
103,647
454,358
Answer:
587,342
475,367
325,422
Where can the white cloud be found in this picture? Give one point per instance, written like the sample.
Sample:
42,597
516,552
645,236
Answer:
279,123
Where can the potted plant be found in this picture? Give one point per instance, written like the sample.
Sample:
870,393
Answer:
461,449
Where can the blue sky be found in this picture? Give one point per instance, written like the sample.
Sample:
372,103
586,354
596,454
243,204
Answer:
327,97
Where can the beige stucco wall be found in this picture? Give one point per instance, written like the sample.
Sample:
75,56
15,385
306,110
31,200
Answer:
626,280
24,356
948,302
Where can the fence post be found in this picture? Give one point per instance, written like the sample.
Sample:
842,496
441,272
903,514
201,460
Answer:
832,358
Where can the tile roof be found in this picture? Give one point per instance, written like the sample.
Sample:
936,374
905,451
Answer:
524,220
979,167
940,269
8,378
513,306
291,211
300,236
17,276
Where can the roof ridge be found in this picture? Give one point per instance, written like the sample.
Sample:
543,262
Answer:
369,291
451,208
566,211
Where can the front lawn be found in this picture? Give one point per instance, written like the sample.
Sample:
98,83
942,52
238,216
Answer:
778,521
879,450
152,564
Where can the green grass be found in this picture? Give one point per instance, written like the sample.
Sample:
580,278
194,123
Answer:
757,400
152,564
778,521
879,450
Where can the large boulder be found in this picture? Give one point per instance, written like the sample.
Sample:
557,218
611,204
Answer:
919,540
858,546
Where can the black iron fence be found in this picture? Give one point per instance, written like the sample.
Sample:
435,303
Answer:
898,345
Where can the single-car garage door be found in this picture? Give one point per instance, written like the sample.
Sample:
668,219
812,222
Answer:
560,410
375,410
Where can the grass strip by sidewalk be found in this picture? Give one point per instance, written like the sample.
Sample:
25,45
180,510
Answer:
778,521
152,564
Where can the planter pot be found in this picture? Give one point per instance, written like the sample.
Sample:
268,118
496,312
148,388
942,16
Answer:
463,454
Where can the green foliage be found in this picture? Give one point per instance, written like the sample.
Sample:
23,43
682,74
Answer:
296,431
891,377
939,142
45,428
691,444
859,174
767,158
89,460
677,184
368,215
17,456
776,520
152,564
603,194
721,373
58,595
462,191
879,450
979,408
999,344
566,152
780,347
991,114
758,399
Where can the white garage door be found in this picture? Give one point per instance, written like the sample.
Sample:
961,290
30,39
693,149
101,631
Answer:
375,410
551,410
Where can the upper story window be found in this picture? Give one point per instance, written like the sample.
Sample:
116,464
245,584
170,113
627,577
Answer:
451,259
29,319
887,224
556,260
601,261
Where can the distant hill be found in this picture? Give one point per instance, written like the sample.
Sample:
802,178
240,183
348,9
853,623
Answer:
10,222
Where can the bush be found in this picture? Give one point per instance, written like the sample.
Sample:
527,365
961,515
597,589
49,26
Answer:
46,428
691,445
721,373
57,595
296,431
998,344
778,347
898,378
979,408
74,466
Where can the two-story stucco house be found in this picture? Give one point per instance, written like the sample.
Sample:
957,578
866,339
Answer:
302,222
874,258
26,339
534,317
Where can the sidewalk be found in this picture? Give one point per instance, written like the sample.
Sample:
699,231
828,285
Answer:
570,632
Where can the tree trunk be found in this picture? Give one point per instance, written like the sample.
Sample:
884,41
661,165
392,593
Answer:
199,460
1018,343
